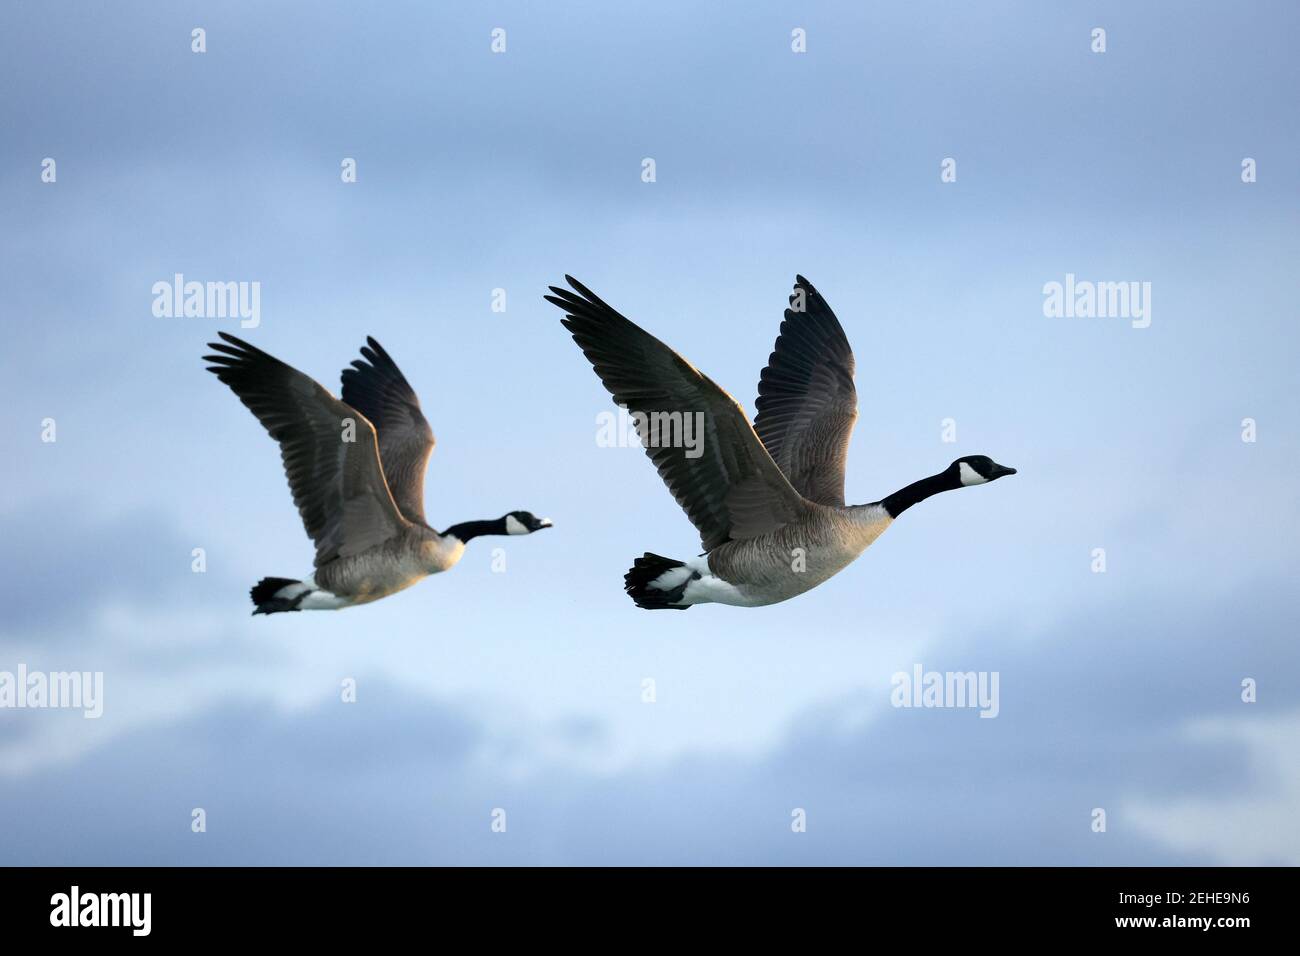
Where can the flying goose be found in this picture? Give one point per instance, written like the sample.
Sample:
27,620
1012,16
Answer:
356,470
767,499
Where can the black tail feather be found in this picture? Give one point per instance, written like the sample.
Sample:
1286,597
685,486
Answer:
647,568
263,595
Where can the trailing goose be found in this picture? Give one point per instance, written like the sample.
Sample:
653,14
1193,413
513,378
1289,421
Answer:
356,470
767,499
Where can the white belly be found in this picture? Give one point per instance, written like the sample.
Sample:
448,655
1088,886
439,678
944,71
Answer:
781,567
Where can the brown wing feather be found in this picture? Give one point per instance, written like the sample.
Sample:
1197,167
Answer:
807,404
338,485
377,389
732,490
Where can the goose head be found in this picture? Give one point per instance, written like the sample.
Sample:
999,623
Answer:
524,522
977,470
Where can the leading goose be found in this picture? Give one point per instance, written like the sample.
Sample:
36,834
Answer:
767,499
356,470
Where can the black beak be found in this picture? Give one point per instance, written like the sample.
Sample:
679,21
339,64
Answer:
544,523
997,471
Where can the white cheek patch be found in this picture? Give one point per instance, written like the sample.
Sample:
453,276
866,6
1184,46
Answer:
514,525
969,476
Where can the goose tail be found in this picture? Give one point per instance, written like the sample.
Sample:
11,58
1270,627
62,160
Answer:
657,583
272,595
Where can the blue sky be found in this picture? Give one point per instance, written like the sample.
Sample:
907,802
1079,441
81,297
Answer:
523,690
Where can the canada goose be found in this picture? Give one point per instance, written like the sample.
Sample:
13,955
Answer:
356,470
768,499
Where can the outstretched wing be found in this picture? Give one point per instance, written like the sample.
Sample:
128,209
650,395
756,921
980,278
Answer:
723,479
378,389
807,404
329,450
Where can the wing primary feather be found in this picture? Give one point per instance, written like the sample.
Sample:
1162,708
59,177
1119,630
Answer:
376,387
807,403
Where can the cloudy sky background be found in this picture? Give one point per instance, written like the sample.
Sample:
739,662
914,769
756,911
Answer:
522,690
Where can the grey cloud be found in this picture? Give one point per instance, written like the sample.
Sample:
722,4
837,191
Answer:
62,561
401,779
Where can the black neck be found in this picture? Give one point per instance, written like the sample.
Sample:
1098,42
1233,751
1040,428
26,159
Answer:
474,529
904,498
